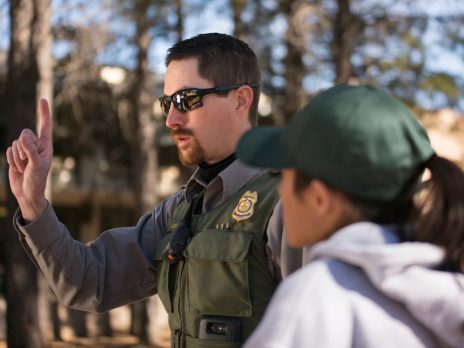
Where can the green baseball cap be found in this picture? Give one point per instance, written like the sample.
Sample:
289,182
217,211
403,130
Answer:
358,139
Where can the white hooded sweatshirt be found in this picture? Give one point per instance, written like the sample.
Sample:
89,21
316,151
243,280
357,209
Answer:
362,288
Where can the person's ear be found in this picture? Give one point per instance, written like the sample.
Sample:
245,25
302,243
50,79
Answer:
332,206
321,197
244,98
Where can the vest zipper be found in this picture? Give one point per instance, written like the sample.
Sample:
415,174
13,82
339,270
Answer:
175,342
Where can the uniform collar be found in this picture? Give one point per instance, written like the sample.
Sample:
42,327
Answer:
221,188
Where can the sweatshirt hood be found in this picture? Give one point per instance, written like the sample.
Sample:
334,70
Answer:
405,272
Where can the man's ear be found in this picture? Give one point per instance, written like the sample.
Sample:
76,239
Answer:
244,98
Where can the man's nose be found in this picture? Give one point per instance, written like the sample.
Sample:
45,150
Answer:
175,118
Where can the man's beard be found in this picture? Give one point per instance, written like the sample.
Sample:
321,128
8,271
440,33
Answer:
195,154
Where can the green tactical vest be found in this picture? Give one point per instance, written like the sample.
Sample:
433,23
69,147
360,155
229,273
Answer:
224,275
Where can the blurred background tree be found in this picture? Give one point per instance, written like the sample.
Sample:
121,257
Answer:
28,77
114,159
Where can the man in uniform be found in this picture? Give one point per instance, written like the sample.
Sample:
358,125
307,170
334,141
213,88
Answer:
213,249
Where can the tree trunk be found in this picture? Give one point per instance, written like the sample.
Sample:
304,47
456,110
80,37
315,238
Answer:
139,325
238,7
145,150
78,322
27,74
293,61
179,27
345,30
104,325
144,146
48,304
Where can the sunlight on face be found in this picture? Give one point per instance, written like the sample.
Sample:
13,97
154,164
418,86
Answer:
313,213
210,132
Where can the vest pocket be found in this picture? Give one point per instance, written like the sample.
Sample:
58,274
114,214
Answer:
217,273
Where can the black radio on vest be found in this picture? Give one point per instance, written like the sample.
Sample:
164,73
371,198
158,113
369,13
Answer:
183,233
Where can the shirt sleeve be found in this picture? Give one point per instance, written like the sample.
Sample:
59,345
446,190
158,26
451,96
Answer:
115,269
283,258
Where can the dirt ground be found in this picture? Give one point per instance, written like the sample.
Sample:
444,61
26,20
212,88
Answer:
121,341
120,321
102,342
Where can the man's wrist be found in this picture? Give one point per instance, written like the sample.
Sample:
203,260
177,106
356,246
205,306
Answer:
32,209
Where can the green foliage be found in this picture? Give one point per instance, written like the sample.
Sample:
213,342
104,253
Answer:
390,51
444,83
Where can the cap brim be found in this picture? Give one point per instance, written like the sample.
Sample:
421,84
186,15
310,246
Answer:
262,147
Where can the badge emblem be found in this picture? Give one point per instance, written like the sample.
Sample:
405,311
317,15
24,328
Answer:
244,208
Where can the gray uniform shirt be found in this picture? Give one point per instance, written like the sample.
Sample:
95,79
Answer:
118,267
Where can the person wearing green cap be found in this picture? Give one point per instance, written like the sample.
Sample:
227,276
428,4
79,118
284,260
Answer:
386,252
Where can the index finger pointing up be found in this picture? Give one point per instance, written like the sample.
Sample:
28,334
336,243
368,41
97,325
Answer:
45,122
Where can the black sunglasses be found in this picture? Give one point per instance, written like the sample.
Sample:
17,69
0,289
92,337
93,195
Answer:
191,98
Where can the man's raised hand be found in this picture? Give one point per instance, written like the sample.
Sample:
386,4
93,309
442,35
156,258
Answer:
29,158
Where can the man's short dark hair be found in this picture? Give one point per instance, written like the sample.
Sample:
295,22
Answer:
222,59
